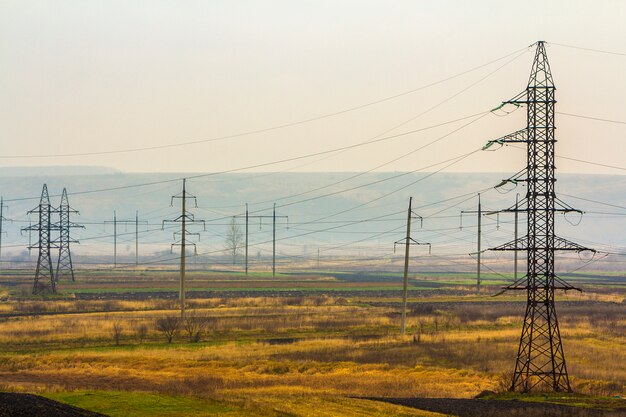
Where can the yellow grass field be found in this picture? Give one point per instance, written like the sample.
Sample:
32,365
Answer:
312,355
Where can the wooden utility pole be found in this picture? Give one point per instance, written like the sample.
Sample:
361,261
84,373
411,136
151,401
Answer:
407,242
183,252
137,238
2,219
114,239
247,220
115,223
273,217
516,237
479,212
274,241
480,233
407,246
184,219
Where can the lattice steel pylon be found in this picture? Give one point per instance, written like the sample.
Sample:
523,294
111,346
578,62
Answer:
540,362
44,275
64,262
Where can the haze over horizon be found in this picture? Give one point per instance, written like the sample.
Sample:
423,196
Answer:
89,77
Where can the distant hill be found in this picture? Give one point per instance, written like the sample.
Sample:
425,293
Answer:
319,206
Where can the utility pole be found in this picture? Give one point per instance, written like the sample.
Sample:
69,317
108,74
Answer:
44,275
114,223
114,239
136,237
516,236
274,241
183,251
478,248
408,241
260,217
2,220
30,235
540,360
134,221
64,262
479,213
247,219
184,219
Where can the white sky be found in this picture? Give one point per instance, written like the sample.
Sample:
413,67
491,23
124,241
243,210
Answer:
84,76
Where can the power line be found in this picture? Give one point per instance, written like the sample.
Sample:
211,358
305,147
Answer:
277,127
592,163
378,137
375,140
580,116
589,49
575,159
594,201
338,226
261,165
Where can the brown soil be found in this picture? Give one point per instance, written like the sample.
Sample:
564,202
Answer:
29,405
489,408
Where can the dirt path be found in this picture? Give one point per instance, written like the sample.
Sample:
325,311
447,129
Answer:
493,408
29,405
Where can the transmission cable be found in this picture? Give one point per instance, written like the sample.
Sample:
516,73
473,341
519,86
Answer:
267,129
588,49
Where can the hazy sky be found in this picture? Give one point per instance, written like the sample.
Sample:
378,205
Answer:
88,76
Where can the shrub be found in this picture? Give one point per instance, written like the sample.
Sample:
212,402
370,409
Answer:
169,326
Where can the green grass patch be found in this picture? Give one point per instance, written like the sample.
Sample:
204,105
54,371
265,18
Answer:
242,290
573,400
140,404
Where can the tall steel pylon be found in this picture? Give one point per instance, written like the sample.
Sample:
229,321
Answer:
64,262
540,362
44,275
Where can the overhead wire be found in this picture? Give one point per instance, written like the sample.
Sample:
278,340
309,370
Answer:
580,116
588,49
275,162
281,126
309,155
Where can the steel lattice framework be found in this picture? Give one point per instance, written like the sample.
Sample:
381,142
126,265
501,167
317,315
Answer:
44,275
64,262
540,360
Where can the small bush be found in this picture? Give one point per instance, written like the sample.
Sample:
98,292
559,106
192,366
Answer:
169,326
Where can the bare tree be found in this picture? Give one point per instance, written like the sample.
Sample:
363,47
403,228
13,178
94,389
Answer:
142,332
117,332
234,240
194,326
169,326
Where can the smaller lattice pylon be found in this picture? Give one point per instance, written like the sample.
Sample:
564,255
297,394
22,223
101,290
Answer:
64,262
44,275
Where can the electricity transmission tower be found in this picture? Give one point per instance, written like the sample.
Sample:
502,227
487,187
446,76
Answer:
407,242
44,275
184,219
540,359
64,262
273,217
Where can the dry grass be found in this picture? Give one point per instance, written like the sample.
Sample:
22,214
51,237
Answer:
326,349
